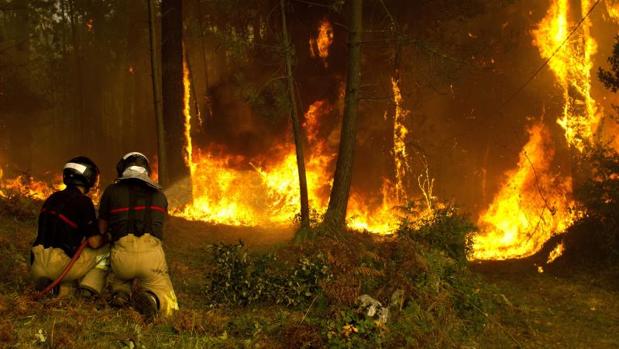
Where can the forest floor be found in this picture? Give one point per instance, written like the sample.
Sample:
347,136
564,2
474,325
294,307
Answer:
577,308
563,309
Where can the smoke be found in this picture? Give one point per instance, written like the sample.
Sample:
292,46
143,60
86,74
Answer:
460,62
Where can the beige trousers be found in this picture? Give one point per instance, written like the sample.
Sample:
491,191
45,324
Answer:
89,270
142,258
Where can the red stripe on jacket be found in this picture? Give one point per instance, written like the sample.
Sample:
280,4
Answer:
62,217
137,208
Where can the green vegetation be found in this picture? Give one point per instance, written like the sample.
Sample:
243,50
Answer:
307,295
594,237
321,293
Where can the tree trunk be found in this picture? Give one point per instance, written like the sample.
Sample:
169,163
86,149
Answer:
335,216
22,142
80,123
162,162
296,127
206,100
172,91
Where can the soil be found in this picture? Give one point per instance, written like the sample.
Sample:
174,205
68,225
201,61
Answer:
565,307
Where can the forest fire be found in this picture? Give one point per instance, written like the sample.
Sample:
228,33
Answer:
401,156
187,116
309,173
319,46
29,187
532,205
570,61
221,183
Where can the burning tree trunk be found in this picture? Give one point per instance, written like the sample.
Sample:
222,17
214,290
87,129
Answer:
296,127
172,91
335,216
161,142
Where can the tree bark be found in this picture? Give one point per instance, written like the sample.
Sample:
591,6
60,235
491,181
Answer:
80,110
206,100
21,143
335,217
296,127
162,162
172,91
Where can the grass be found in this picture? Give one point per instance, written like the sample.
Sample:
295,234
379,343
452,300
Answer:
445,306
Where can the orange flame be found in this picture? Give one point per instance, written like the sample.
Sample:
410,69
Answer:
29,187
612,7
572,66
235,190
400,132
320,45
531,206
187,115
523,217
555,253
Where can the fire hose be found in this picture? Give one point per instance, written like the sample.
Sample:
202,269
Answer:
64,273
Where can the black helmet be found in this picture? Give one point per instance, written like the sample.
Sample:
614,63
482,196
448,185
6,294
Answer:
130,160
80,171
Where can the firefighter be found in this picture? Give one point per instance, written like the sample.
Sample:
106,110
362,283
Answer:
132,211
66,219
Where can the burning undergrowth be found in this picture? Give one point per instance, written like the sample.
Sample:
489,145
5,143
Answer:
533,205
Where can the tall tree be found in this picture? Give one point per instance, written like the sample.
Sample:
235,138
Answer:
161,141
296,127
80,113
172,89
335,216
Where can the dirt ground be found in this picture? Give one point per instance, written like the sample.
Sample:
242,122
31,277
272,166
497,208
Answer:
574,307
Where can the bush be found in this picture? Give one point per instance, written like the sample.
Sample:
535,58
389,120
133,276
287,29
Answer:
598,193
440,301
352,329
445,230
242,279
13,204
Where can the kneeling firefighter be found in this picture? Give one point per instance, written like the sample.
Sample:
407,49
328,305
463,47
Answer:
66,220
133,210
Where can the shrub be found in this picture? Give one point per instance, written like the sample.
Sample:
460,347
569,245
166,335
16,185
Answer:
13,204
242,279
445,230
598,193
352,329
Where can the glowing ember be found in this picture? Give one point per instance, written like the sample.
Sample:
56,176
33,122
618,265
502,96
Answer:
555,253
320,45
531,206
572,67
